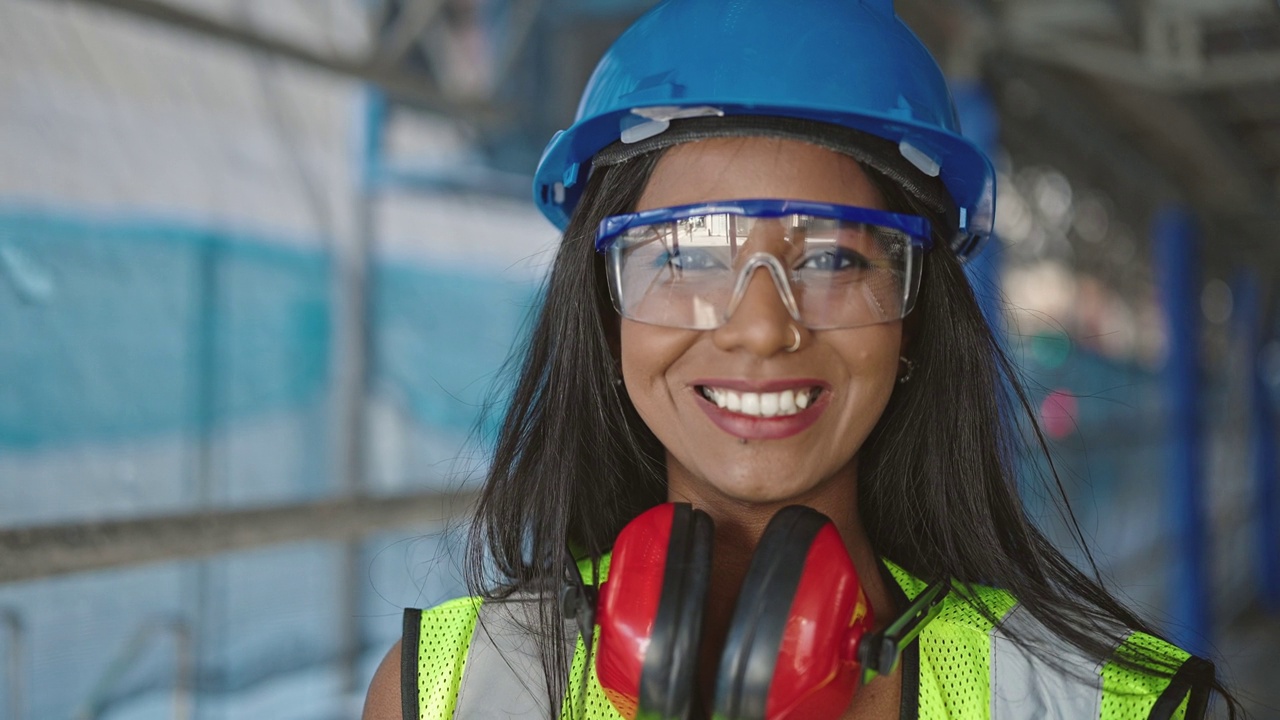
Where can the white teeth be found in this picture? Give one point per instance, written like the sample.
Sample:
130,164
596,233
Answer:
787,402
769,404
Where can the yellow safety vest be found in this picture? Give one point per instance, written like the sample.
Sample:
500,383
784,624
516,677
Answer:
472,659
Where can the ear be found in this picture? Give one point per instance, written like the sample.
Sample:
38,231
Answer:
610,321
909,326
613,334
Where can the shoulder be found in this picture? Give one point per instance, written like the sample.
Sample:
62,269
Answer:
383,700
424,670
1005,662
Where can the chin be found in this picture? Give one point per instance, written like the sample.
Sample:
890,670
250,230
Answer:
763,490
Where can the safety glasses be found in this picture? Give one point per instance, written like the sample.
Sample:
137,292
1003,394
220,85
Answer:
835,266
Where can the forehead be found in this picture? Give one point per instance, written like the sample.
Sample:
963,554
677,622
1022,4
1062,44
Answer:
756,167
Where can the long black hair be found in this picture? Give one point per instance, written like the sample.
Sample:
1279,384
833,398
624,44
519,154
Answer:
573,462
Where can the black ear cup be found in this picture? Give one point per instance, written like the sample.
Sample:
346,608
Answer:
667,678
760,617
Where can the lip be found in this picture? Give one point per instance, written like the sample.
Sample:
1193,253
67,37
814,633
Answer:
749,427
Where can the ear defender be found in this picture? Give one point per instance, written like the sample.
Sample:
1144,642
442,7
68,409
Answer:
792,646
799,643
650,613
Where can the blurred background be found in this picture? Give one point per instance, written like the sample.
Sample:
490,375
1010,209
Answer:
261,264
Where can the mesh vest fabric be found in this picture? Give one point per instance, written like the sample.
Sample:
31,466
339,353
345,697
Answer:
952,665
443,636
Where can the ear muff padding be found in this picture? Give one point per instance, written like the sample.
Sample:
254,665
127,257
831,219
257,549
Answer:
650,612
760,617
671,665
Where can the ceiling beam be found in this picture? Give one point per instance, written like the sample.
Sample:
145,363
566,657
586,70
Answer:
403,86
414,18
1101,109
1134,68
50,550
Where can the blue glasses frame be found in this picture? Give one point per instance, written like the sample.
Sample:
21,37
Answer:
917,228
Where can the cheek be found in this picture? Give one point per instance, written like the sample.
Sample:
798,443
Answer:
870,357
649,354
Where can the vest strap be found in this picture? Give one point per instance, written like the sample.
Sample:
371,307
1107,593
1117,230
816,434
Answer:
409,634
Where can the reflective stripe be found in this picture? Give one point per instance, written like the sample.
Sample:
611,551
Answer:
503,676
1024,685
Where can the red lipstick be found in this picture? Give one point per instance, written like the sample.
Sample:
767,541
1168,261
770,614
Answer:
752,427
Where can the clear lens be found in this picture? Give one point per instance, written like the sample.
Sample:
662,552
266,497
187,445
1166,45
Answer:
831,273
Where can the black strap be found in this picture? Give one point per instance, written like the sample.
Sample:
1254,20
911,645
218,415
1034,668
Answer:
909,703
1195,676
409,663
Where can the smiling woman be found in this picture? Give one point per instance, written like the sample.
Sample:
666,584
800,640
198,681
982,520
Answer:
759,458
715,456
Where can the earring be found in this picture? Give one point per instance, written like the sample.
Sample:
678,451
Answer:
911,367
795,344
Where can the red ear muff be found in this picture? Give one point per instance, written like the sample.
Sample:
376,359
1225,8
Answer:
791,649
650,612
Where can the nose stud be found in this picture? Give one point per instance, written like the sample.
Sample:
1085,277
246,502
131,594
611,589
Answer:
795,344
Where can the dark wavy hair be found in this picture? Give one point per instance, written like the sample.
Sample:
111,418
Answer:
573,462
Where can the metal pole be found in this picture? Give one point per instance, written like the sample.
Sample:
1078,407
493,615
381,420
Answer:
1175,242
46,551
356,297
1262,431
17,637
206,408
100,696
416,87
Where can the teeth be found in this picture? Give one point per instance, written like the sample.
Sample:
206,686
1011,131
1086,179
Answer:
787,402
734,401
769,403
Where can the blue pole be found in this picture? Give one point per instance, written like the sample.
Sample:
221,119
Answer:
370,144
1262,439
1174,238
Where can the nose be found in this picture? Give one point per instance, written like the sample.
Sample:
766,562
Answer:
760,323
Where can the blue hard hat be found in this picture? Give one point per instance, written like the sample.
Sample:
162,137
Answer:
850,63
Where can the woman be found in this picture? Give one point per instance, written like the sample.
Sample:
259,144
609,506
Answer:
759,303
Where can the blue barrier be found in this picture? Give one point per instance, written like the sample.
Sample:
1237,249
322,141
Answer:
104,323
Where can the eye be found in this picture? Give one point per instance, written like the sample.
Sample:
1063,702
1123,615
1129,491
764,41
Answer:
686,259
835,259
